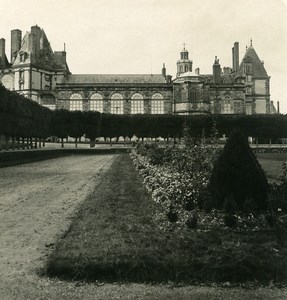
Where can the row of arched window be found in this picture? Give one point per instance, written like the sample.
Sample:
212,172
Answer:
116,96
117,103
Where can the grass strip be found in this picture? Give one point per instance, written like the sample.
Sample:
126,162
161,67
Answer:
114,238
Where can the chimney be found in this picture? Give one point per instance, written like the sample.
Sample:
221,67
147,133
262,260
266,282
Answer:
233,64
16,38
216,71
60,58
2,53
163,71
278,108
35,46
235,57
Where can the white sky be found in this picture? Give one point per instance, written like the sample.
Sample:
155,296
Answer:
137,36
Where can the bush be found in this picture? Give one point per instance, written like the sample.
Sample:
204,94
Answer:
230,221
238,173
192,222
230,205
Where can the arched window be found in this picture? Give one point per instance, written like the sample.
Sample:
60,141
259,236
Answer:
137,104
49,101
181,69
117,104
185,68
76,101
193,96
157,104
96,102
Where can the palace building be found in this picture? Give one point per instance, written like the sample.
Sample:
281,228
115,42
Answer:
37,72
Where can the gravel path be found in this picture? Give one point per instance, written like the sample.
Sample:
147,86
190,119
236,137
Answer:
37,201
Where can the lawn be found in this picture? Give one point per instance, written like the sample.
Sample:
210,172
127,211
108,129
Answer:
114,237
272,164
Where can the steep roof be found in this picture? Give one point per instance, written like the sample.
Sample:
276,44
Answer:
251,56
4,62
114,78
37,50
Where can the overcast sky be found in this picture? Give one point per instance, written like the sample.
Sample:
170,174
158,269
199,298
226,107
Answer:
137,36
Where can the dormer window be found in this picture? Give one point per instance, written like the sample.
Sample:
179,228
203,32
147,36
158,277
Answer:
247,69
23,56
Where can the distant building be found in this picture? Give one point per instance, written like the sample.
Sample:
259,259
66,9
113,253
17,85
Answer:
39,73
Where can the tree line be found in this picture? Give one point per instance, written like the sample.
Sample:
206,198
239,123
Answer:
24,121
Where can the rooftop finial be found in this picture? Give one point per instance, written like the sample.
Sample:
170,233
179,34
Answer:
251,42
64,47
184,46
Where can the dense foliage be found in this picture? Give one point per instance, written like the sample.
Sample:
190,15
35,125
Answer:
22,117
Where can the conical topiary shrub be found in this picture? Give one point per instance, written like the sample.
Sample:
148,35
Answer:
238,174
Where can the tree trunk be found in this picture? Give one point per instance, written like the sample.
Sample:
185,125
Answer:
62,142
2,142
92,143
76,143
31,143
43,140
36,143
40,141
6,143
13,142
18,143
23,143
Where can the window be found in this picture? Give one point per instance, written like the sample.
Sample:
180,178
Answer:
137,104
247,69
23,56
185,68
193,96
96,102
76,96
76,102
157,104
21,79
76,105
227,107
117,104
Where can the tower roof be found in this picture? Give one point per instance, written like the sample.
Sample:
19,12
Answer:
257,65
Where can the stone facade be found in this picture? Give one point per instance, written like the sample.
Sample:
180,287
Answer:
39,73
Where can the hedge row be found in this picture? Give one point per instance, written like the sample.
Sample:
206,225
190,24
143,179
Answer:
22,117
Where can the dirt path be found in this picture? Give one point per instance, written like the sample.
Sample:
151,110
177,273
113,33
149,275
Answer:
37,201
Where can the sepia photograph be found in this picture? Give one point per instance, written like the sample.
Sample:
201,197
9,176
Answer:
143,149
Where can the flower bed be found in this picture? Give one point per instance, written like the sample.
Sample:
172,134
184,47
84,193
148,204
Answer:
178,182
